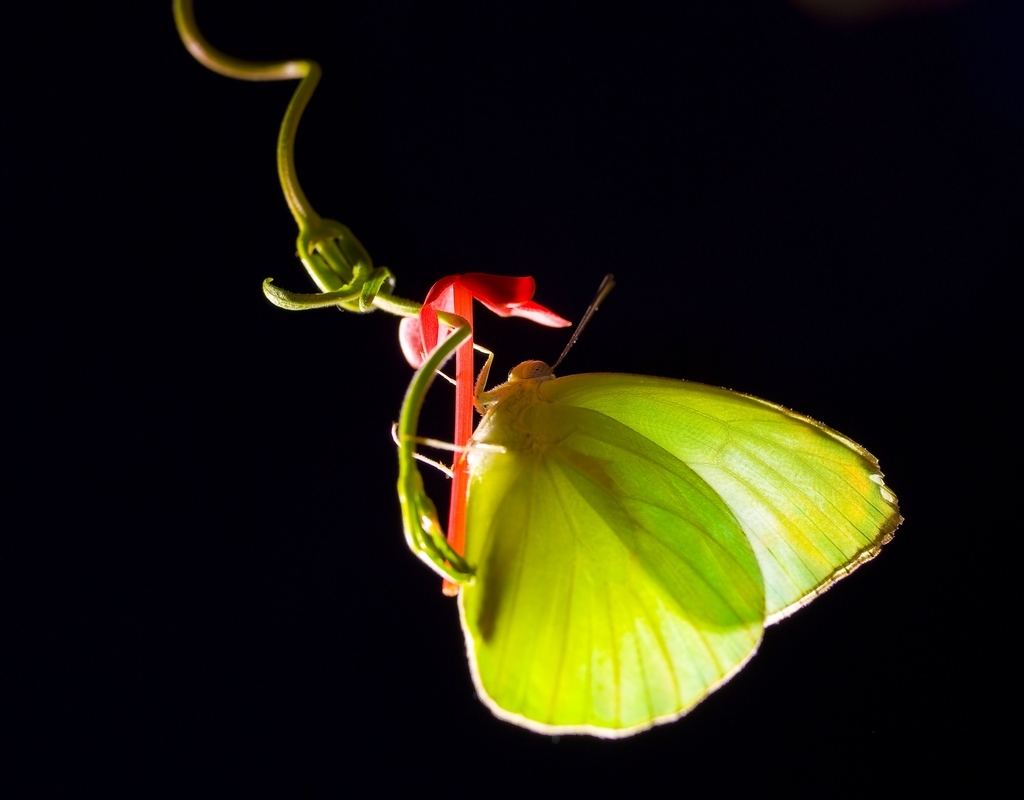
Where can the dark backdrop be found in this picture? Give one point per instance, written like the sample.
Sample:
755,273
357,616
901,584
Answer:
205,579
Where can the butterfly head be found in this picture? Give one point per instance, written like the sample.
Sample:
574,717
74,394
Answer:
530,370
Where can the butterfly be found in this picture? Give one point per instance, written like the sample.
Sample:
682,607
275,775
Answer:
630,537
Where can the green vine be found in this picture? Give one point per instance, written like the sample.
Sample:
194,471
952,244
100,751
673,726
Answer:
334,258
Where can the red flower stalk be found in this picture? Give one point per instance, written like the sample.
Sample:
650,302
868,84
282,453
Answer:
505,296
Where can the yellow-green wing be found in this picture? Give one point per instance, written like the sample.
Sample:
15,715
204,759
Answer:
811,502
614,589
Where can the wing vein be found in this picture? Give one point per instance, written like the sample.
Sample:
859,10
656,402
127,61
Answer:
662,645
800,491
570,588
500,674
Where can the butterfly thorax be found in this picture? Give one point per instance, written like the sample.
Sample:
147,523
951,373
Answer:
507,422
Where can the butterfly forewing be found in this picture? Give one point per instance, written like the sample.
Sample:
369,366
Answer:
811,502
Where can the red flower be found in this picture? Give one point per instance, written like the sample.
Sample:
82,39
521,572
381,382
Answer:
505,296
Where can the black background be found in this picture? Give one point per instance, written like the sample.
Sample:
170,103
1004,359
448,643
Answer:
204,576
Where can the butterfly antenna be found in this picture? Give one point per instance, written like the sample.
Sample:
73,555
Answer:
602,291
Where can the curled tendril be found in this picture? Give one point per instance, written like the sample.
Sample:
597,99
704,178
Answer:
334,258
423,531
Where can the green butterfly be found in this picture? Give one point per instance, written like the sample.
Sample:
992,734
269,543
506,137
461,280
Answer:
629,537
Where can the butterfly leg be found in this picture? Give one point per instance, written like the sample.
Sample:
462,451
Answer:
481,381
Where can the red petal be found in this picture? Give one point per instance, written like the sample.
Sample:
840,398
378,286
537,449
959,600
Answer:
537,313
410,337
428,327
434,296
496,291
441,297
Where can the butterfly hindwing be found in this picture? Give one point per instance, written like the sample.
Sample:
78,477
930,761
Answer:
614,587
